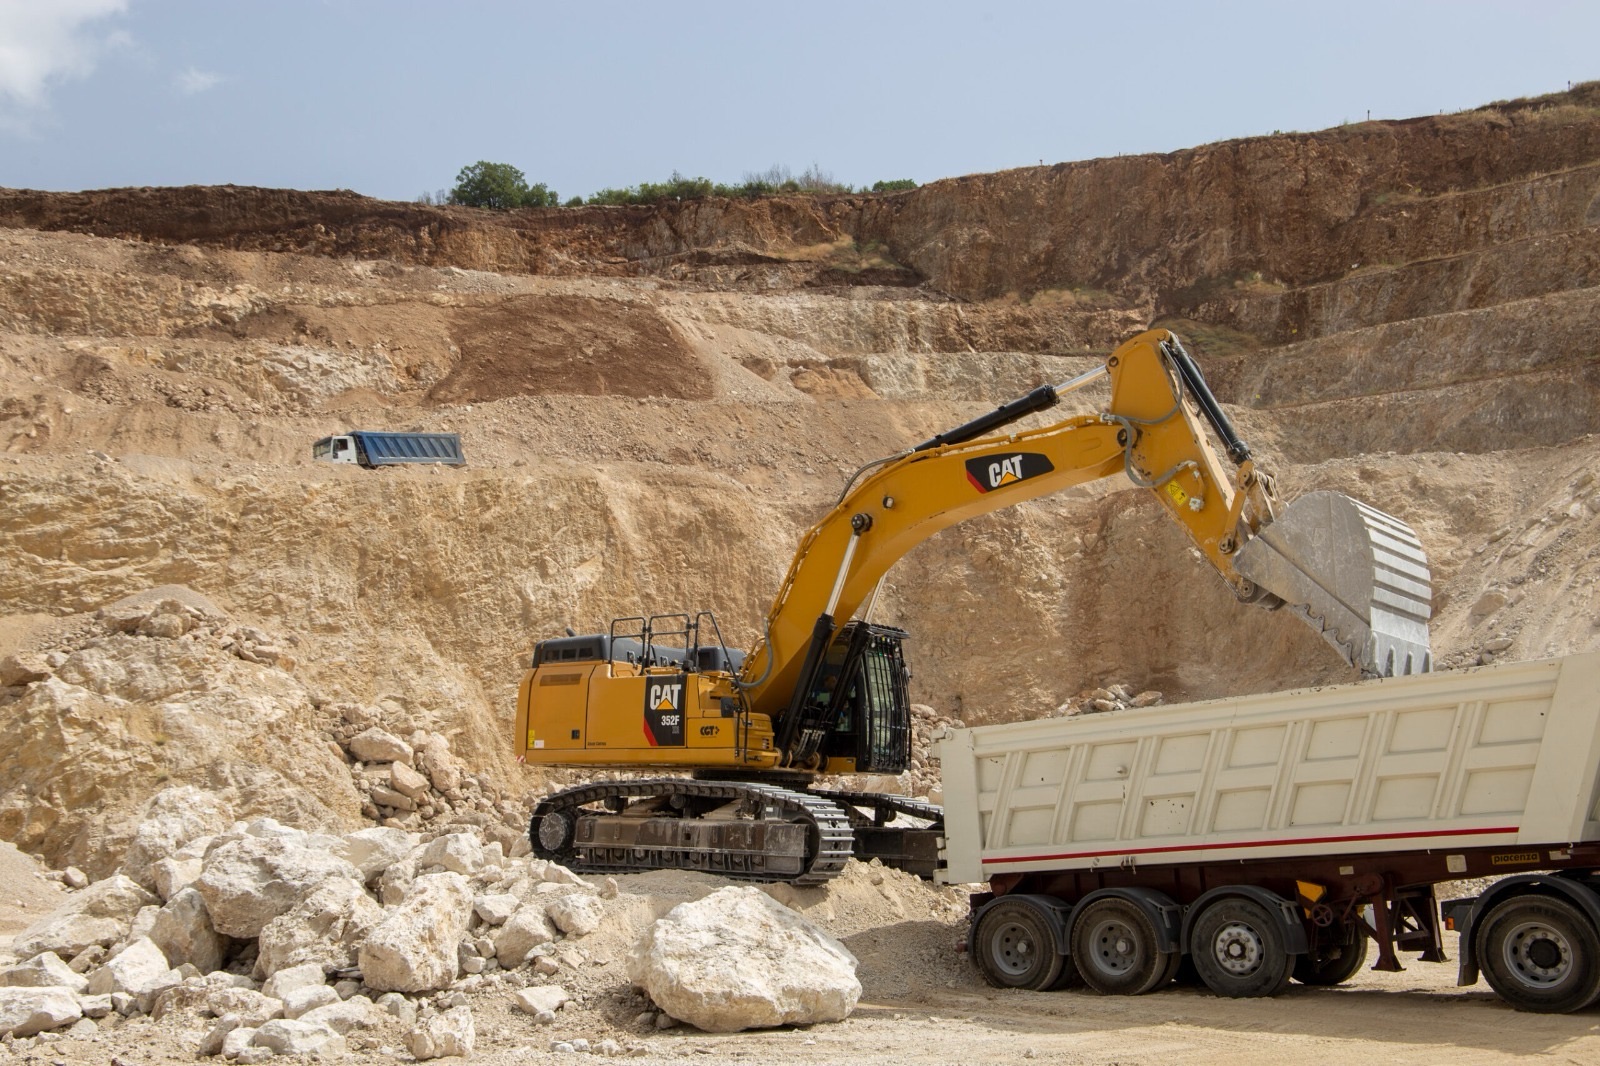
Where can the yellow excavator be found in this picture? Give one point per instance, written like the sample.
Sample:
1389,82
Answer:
825,691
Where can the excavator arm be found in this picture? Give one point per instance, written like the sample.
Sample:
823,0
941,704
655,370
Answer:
1356,575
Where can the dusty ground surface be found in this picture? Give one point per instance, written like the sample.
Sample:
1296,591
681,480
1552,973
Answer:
923,1004
655,403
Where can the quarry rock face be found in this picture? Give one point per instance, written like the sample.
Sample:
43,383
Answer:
738,959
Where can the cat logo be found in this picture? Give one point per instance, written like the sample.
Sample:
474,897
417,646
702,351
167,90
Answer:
663,710
710,730
989,473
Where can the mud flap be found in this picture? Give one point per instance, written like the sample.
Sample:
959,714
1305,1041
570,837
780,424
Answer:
1354,574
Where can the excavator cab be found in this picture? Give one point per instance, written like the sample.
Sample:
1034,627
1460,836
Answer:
863,700
854,715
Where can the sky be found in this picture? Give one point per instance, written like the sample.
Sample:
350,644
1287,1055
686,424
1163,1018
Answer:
391,99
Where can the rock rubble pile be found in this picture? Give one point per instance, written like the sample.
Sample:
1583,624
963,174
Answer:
260,939
1117,697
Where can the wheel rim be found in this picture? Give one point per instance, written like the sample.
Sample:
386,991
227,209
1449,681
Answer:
1116,948
1238,949
555,829
1014,951
1538,954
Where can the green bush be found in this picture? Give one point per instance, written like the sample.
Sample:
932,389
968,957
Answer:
774,181
499,187
897,185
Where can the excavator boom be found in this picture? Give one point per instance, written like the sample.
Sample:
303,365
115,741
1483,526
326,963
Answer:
1356,575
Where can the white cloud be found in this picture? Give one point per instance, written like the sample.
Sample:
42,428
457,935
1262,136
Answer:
46,41
193,81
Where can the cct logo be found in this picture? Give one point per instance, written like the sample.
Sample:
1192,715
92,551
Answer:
663,711
994,472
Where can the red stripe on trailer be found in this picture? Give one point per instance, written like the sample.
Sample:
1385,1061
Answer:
1253,844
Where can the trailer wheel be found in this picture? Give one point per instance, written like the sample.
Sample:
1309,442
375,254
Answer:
1068,978
1332,970
1540,953
1238,950
1014,946
1116,949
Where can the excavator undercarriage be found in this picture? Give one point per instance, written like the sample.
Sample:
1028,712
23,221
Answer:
745,830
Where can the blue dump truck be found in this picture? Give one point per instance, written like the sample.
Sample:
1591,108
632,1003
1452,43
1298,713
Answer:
373,448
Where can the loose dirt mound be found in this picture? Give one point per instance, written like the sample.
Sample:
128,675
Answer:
563,345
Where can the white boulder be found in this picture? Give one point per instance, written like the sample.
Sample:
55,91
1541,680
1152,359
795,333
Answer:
291,978
357,1012
292,1036
172,818
460,853
325,927
249,882
449,1033
100,914
254,1008
576,914
26,1011
541,998
139,970
522,932
496,908
406,781
414,948
434,759
376,745
236,1040
172,874
303,1000
43,971
738,959
374,850
183,931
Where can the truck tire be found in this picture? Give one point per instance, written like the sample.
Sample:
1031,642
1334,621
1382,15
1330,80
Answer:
1015,947
1116,949
1540,953
1238,950
1335,970
1069,977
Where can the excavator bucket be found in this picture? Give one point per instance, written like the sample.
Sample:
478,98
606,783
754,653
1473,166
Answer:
1356,575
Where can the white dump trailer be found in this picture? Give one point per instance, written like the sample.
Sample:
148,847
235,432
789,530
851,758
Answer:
1269,837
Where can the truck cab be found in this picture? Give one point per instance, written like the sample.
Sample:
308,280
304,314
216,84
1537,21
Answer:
341,449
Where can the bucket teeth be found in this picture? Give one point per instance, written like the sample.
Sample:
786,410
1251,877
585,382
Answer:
1354,574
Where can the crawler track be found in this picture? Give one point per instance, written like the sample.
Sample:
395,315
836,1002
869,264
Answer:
737,829
884,807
